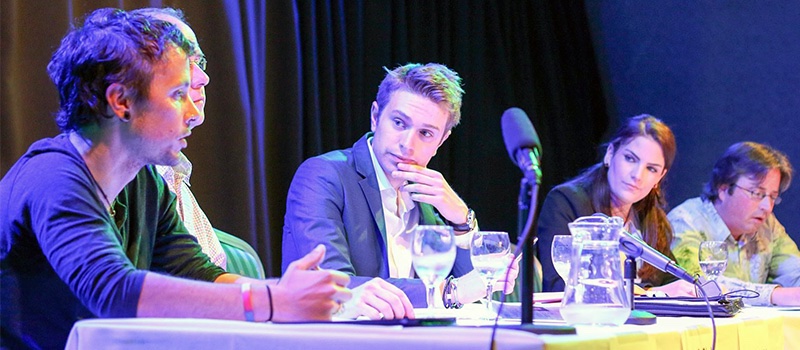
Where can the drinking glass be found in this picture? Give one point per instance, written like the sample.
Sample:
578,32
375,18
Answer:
489,254
561,253
713,257
433,252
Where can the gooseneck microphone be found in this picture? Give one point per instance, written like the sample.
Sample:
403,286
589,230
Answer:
524,148
635,247
522,143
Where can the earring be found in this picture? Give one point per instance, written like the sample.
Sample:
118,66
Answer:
126,117
605,164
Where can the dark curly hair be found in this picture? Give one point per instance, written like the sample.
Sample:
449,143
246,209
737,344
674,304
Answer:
112,46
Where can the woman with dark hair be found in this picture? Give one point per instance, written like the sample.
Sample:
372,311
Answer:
627,183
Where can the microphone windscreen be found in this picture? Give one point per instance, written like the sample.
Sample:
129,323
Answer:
518,132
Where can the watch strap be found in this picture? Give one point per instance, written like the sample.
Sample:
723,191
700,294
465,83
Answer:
467,226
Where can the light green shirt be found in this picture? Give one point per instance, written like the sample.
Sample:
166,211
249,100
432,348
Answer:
760,261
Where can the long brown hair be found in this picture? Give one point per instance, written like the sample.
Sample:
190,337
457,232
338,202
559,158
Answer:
650,212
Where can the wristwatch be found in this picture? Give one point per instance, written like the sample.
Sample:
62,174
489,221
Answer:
467,226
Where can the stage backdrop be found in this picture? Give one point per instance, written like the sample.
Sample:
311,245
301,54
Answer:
294,79
718,72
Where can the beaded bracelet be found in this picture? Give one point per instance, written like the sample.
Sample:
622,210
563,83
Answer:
247,302
450,294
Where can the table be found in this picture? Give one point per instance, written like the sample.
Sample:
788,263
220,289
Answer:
195,334
753,328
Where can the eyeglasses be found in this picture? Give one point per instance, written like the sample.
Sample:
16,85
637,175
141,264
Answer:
200,61
758,195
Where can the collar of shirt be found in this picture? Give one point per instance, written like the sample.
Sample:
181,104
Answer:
387,192
182,170
719,231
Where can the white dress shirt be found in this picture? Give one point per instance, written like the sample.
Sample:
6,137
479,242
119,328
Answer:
193,217
401,216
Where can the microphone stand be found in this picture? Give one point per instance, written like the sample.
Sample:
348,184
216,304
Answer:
529,189
525,218
630,276
637,317
525,242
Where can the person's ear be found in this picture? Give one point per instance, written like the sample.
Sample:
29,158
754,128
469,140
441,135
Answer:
609,154
373,116
723,192
446,135
120,101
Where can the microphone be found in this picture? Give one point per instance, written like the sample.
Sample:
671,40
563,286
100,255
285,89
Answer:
522,143
635,247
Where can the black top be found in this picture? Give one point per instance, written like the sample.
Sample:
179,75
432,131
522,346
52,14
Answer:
564,204
62,256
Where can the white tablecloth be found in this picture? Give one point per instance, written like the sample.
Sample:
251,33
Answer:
143,333
753,328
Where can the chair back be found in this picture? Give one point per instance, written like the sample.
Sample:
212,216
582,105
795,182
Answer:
242,258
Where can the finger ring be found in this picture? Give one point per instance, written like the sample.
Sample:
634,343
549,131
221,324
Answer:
380,314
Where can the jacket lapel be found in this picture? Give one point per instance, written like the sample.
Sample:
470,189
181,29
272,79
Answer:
369,186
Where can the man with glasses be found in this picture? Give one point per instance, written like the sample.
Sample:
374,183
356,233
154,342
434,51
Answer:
736,207
177,176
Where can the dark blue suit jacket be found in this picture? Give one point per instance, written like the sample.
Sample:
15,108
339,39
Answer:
334,200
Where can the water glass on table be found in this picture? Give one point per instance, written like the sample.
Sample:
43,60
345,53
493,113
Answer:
561,253
713,258
433,252
489,254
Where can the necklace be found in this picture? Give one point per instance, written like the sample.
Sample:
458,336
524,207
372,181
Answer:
111,209
105,198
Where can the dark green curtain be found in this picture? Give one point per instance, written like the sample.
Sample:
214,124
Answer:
294,79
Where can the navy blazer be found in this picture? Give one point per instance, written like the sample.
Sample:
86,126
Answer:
334,200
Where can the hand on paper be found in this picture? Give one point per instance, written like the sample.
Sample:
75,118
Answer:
679,288
377,300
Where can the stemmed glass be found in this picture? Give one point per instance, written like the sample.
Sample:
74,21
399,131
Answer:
433,252
713,257
561,253
488,252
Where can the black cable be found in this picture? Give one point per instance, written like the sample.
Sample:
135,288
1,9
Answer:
520,246
742,293
710,314
502,302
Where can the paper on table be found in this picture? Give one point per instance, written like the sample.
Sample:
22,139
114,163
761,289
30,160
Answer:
541,311
547,297
438,313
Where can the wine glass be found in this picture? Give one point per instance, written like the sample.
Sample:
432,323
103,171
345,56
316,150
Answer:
713,257
433,252
561,253
489,254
